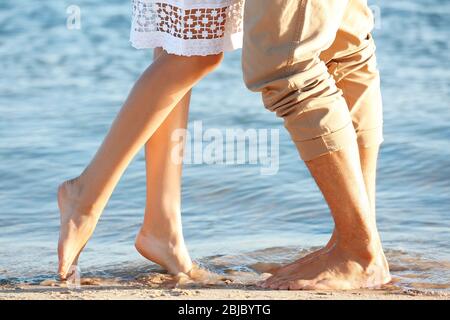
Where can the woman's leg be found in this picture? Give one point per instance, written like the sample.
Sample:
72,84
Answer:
155,94
160,238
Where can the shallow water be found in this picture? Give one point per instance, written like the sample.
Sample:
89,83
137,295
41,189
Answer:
60,90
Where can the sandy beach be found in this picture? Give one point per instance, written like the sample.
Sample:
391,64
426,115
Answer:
203,285
135,291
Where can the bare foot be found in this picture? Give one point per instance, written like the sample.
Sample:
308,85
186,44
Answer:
77,226
294,266
336,269
171,255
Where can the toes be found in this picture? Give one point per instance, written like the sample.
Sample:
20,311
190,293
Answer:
283,286
286,283
268,282
64,272
289,284
262,284
273,286
336,284
301,285
274,281
64,266
66,260
278,285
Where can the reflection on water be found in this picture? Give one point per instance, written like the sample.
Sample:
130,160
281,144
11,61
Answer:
60,90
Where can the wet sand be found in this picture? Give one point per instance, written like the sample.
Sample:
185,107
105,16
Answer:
150,283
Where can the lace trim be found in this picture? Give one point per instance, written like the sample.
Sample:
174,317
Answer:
183,25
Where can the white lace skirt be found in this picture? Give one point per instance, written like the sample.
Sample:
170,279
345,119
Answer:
187,27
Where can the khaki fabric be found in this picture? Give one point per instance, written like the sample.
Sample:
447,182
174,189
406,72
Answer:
314,63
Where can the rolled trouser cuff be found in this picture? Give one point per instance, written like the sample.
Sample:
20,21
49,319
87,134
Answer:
370,138
331,142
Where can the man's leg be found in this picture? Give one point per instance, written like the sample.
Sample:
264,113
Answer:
283,63
356,259
368,159
352,62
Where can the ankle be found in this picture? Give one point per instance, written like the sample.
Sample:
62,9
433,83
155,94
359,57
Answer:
367,250
72,190
170,235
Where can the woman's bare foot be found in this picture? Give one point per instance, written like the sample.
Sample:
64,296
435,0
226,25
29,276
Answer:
336,269
171,254
77,225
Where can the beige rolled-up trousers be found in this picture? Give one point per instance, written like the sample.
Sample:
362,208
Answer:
314,63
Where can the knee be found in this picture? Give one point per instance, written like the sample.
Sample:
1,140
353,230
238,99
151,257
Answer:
300,91
194,65
206,64
360,63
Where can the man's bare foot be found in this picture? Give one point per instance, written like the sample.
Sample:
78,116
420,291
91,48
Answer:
294,266
336,269
77,225
172,255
